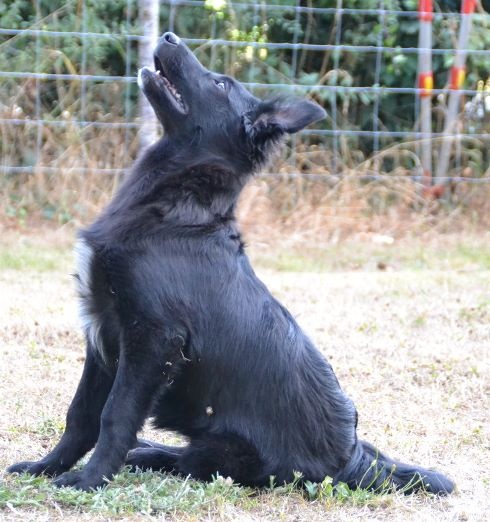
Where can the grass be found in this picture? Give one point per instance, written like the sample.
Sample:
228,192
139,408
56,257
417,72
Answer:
129,493
147,493
407,344
448,253
45,250
29,257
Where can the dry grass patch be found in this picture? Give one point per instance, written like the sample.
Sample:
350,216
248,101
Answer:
410,347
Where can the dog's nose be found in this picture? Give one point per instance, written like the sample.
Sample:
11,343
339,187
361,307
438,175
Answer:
171,38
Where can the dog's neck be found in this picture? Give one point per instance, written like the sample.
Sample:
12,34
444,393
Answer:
188,184
168,190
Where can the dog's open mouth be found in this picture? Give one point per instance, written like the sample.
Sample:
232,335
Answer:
162,79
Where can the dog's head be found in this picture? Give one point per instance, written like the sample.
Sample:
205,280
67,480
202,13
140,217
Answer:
214,110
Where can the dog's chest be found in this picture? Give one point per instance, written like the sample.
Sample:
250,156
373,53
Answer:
90,317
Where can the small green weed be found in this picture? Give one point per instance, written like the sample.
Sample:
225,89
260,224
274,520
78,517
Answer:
367,327
420,321
480,312
50,427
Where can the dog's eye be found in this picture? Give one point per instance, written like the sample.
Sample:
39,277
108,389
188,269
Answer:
221,84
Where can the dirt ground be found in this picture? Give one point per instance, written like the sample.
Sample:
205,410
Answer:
410,347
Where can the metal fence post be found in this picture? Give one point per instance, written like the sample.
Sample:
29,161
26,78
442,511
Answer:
148,18
456,81
426,85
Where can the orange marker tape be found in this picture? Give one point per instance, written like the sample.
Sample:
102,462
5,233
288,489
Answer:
426,83
458,75
425,10
468,6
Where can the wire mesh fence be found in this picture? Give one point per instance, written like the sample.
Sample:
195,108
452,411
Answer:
69,100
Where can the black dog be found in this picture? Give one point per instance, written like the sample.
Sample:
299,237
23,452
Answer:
179,327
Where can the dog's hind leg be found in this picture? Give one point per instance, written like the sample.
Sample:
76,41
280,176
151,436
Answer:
145,443
226,454
159,458
82,421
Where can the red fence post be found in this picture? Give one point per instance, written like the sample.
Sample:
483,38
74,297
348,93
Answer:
425,85
456,80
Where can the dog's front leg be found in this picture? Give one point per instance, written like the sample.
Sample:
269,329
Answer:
82,421
139,376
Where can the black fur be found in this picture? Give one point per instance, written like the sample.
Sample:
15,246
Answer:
179,327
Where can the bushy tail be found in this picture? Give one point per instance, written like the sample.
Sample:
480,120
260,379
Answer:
368,468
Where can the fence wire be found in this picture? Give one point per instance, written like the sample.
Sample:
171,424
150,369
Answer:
56,108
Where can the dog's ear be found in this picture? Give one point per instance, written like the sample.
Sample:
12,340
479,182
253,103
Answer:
271,119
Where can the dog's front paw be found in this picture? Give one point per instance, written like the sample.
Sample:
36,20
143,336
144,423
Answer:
79,480
39,467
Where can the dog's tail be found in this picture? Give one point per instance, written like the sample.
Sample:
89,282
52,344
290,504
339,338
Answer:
370,469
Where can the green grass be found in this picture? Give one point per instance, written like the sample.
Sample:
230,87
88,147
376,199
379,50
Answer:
466,254
149,493
31,257
144,493
47,427
479,312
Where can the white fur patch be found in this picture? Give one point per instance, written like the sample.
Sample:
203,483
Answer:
140,77
90,322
